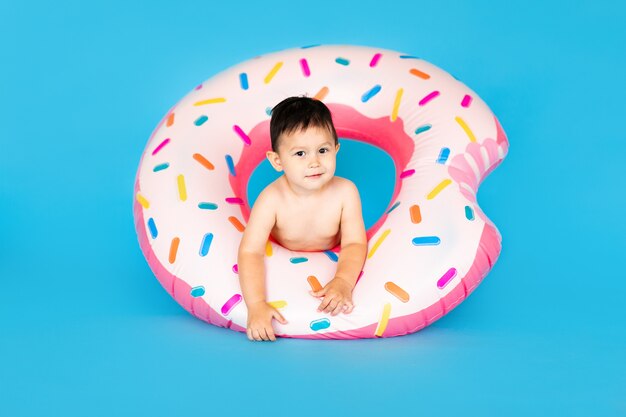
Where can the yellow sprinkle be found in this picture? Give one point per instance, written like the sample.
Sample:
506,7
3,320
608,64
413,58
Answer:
273,72
443,184
466,128
278,304
396,105
268,249
142,200
382,324
210,101
182,190
378,242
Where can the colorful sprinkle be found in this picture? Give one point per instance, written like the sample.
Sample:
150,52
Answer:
143,201
359,277
182,189
396,104
310,46
174,249
416,214
446,278
331,255
242,135
235,222
422,128
200,120
398,292
203,161
206,244
426,241
236,269
384,320
197,291
467,100
393,207
314,283
409,57
153,229
469,213
298,260
231,303
466,128
268,111
161,145
443,155
170,120
231,165
428,98
321,95
198,87
378,242
207,206
419,73
407,173
234,200
320,324
375,60
342,61
278,303
160,167
305,67
370,93
268,248
210,101
243,80
443,184
272,72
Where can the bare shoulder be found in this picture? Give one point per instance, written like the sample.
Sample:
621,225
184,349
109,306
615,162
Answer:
346,187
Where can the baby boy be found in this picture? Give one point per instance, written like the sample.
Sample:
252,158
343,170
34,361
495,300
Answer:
306,209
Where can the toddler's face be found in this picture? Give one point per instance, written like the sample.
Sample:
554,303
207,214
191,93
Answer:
308,158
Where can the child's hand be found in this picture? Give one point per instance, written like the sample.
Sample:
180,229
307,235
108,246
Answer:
260,316
337,296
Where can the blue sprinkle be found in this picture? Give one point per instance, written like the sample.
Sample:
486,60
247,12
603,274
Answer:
268,111
161,167
153,230
207,206
298,260
342,61
426,241
320,324
409,57
197,291
422,129
310,46
243,79
393,207
206,244
443,155
332,255
371,93
231,165
200,120
469,213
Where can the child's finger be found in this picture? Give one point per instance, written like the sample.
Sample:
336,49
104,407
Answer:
337,309
270,335
324,303
256,335
331,306
249,333
279,317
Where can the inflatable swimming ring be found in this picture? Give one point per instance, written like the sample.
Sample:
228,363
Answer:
426,254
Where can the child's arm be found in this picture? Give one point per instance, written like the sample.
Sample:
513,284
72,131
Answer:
251,264
338,292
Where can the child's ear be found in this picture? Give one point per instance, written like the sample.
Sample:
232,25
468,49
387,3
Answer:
274,160
337,147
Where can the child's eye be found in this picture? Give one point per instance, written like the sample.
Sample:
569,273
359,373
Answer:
300,153
323,150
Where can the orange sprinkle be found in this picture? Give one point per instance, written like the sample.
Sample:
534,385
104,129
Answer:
419,73
394,289
268,248
174,249
314,283
416,215
321,95
235,222
205,162
170,120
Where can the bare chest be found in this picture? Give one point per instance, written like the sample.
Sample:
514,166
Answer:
301,227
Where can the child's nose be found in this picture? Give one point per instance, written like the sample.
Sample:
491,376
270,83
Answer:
314,161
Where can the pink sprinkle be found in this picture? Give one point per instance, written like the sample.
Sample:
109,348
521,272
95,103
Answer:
231,303
407,173
375,59
467,100
235,269
305,67
446,278
199,87
357,280
234,200
158,148
242,135
428,98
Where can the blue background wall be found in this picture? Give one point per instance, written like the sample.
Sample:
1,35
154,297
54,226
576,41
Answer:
85,328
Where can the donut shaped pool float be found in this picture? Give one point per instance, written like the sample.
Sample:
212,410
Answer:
426,254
